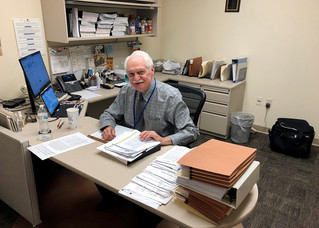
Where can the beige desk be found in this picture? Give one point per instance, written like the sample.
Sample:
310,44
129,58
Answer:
100,168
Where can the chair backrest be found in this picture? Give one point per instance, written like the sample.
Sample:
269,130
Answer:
194,99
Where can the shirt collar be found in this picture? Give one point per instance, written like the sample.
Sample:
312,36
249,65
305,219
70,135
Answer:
148,92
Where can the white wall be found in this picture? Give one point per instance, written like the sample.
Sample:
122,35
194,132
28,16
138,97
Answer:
280,39
11,74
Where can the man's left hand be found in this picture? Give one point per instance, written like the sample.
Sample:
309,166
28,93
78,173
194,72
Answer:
148,135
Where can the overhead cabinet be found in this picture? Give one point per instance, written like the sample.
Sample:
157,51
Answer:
56,22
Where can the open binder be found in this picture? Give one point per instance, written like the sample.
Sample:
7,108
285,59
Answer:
128,148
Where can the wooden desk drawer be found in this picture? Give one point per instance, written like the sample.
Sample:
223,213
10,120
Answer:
217,96
215,108
213,123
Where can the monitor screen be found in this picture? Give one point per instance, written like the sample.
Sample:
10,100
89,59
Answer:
50,100
35,72
36,76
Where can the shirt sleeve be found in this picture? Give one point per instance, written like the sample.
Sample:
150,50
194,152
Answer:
178,114
114,113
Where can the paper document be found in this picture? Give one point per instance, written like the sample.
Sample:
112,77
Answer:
119,129
128,144
154,185
85,94
57,146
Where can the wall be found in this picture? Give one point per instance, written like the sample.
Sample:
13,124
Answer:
280,39
11,74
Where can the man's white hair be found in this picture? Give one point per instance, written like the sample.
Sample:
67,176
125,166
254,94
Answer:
148,60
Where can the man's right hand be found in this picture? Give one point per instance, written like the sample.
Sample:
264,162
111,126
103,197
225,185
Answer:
108,133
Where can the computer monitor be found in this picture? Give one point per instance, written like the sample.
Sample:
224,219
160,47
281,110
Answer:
36,76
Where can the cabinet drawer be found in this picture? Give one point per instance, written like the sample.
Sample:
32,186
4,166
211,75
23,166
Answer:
213,123
217,96
215,108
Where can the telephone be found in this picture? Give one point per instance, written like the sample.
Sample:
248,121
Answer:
68,83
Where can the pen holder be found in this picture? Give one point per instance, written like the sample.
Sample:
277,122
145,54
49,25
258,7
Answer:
93,82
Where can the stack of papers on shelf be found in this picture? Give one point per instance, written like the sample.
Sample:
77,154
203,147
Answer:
215,177
155,184
120,26
87,26
127,147
105,24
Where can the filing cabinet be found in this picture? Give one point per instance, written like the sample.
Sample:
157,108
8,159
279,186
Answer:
222,98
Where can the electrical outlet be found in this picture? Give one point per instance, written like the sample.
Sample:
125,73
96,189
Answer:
268,102
259,101
24,89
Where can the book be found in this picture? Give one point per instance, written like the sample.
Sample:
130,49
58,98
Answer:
128,148
239,69
215,73
225,72
206,68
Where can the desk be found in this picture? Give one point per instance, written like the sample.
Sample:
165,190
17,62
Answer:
93,164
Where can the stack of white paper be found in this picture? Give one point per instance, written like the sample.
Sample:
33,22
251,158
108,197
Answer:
154,185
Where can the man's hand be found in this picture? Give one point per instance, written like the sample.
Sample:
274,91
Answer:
108,133
148,135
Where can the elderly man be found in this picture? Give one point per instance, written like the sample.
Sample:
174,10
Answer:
154,108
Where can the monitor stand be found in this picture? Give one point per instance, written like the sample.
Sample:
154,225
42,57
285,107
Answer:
30,117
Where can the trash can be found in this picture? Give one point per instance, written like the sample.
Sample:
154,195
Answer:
241,125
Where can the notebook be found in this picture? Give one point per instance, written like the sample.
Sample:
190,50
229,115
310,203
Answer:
54,107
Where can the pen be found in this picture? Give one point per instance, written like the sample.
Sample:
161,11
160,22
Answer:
58,124
61,124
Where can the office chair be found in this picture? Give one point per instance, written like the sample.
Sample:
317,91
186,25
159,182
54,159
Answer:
194,99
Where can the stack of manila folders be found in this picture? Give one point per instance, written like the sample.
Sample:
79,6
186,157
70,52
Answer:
215,178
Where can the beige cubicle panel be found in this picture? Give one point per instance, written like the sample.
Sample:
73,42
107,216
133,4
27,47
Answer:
17,184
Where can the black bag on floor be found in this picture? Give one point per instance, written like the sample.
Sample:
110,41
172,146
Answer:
292,137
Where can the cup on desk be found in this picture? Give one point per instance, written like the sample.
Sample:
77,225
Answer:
73,117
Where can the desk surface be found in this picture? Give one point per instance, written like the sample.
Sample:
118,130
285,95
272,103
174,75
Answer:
101,168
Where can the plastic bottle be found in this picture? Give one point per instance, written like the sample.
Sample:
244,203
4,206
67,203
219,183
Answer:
44,131
149,26
137,25
143,26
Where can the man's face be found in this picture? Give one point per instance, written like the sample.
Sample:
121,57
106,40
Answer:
139,75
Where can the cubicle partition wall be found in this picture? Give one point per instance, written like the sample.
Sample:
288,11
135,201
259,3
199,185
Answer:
17,184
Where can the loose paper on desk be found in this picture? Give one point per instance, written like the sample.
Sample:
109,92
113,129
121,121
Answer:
154,185
85,94
57,146
119,129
